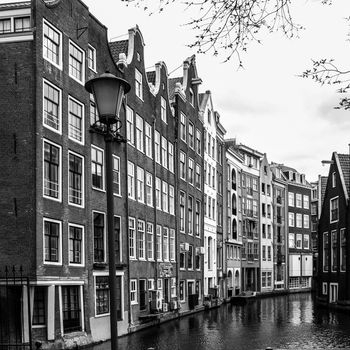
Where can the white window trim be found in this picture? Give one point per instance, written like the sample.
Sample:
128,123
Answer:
59,199
103,189
59,263
94,55
59,65
82,82
120,185
324,288
134,177
104,233
82,264
59,131
132,257
141,82
330,293
133,302
330,210
82,180
82,142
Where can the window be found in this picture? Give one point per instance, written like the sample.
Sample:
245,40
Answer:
291,219
334,251
102,295
182,165
159,243
191,135
52,171
164,152
138,84
198,176
76,62
140,185
334,180
209,116
71,308
171,200
166,243
291,199
264,252
325,252
52,44
157,146
148,139
131,180
183,127
75,179
306,221
99,236
163,109
255,184
52,241
291,241
97,168
190,258
92,58
117,238
172,246
142,239
94,118
190,171
158,193
334,207
198,141
306,244
342,250
39,309
298,243
182,290
182,259
5,25
269,231
22,24
133,291
132,239
116,176
198,217
165,199
182,211
76,120
150,241
324,288
298,201
306,202
130,126
170,157
143,300
299,220
149,189
139,133
150,284
76,240
52,107
190,215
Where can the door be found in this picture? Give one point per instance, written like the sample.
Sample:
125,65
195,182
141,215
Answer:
166,290
143,295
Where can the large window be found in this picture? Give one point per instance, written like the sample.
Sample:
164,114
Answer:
190,258
22,24
298,200
291,199
52,44
52,171
164,152
76,120
291,241
99,236
334,247
158,193
133,291
190,215
171,200
5,25
102,295
150,242
142,239
52,241
131,180
76,247
132,238
334,207
306,221
130,133
182,211
92,58
163,109
39,309
116,176
172,246
182,165
76,62
198,179
198,141
190,171
138,84
97,167
183,127
139,133
157,146
76,183
165,199
140,185
342,250
306,202
159,242
291,219
198,218
52,107
170,157
191,135
166,243
299,220
118,239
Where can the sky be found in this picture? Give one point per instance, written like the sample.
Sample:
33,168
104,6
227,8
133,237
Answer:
265,105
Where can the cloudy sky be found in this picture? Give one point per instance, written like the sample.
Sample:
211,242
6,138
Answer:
265,105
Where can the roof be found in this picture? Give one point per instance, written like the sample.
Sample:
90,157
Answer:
323,181
15,5
344,160
172,84
118,47
151,77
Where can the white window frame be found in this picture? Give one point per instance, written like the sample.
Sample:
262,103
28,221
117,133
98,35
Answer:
306,220
150,243
163,113
171,200
306,238
299,220
165,243
93,60
299,238
183,127
165,196
148,140
82,205
82,142
140,179
159,243
330,209
172,245
134,238
198,142
138,84
52,27
157,147
306,201
131,180
133,292
141,239
191,136
104,234
334,180
130,126
158,193
59,130
291,219
139,133
59,262
149,189
191,170
116,173
103,168
170,157
164,150
182,160
291,199
324,288
77,47
59,198
82,245
298,200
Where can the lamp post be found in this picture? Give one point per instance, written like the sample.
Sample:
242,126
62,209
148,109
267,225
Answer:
108,91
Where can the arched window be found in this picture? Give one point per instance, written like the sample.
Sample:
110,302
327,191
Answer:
234,205
233,179
234,229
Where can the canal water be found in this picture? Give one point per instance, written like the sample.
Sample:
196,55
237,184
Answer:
283,322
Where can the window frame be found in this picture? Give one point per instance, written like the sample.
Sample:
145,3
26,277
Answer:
104,235
82,205
138,84
93,60
74,100
59,243
116,172
58,65
98,149
78,48
59,130
82,252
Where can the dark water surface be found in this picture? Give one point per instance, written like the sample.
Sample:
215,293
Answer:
283,322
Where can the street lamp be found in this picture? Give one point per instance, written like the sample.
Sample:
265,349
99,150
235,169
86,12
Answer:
108,91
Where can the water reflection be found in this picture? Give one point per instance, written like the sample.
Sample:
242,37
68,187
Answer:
284,322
